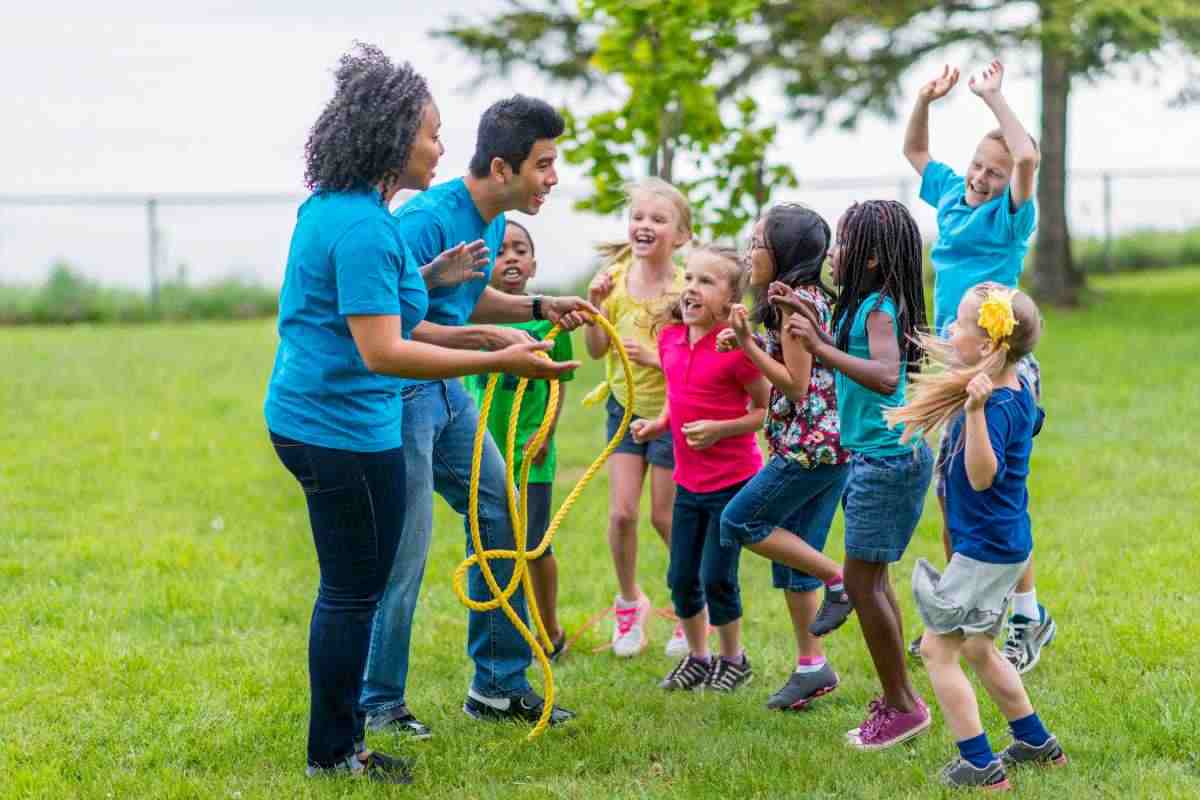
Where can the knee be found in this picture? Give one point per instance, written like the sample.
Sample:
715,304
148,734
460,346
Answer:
979,650
937,649
623,520
662,522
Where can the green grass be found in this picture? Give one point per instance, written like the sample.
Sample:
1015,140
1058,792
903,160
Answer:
156,577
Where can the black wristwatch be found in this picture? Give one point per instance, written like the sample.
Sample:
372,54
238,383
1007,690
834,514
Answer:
537,307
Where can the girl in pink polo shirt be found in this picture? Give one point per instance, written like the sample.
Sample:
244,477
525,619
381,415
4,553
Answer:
716,401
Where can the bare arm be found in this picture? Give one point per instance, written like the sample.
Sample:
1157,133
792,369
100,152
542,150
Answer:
595,337
1024,153
792,376
978,456
880,373
497,306
916,135
384,351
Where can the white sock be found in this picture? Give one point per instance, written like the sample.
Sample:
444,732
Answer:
1026,605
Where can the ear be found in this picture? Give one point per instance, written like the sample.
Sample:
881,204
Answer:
500,169
681,239
532,267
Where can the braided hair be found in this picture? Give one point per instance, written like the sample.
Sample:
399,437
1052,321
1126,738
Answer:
366,131
798,240
886,231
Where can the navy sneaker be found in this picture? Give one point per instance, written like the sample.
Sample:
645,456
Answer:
527,708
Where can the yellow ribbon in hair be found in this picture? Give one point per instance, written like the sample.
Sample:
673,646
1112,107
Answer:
996,315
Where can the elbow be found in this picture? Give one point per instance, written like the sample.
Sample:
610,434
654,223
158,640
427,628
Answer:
373,362
1028,158
980,483
887,386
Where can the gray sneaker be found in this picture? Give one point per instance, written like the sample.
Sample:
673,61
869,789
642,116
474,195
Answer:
1026,638
802,688
689,674
961,772
1019,754
727,676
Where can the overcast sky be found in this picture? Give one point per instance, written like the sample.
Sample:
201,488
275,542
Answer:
218,97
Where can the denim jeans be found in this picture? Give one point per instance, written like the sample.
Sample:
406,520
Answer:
356,509
702,571
785,494
439,431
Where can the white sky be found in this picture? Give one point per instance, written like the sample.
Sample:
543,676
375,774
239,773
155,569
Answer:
218,97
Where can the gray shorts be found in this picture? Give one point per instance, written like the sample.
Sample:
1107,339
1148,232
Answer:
970,597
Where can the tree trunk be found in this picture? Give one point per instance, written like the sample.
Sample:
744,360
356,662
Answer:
1055,279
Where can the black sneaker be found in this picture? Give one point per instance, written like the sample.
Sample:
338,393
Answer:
727,676
399,720
835,610
1019,754
526,709
559,647
802,688
690,673
377,768
961,772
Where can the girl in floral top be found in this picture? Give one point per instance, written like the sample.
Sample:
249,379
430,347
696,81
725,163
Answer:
785,511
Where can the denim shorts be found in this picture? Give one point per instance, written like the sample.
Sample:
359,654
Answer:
785,494
1029,370
883,503
658,452
539,516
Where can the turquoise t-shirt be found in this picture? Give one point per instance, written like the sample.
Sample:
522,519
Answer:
533,403
985,243
860,410
346,258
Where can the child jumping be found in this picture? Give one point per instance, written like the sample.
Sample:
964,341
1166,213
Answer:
992,416
879,312
515,265
785,511
716,401
985,219
640,279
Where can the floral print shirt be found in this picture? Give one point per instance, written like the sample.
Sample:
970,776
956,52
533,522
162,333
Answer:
806,432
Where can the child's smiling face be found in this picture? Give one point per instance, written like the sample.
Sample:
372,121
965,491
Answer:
654,230
707,290
988,173
515,264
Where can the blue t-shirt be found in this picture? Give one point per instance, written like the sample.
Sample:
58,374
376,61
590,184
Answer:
993,525
985,243
437,219
860,410
346,258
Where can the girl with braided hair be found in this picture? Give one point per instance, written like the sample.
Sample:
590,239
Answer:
876,320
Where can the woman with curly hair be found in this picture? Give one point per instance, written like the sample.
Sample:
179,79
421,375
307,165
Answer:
351,295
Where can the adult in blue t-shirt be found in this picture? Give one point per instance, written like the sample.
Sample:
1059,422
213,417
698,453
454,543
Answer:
352,294
985,220
512,169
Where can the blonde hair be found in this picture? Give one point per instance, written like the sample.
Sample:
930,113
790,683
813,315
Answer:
615,251
733,270
937,395
998,135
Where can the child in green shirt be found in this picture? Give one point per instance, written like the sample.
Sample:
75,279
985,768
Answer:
515,265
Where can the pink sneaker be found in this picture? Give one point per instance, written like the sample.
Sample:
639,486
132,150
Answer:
886,726
677,645
629,630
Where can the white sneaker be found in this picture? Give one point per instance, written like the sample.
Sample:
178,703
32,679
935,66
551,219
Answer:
677,645
629,629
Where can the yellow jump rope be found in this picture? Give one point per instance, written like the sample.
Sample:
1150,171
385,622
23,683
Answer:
518,513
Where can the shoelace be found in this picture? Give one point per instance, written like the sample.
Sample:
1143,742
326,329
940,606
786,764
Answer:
626,617
881,715
1014,644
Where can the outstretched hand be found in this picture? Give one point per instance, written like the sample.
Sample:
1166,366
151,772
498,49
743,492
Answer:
940,86
459,264
989,82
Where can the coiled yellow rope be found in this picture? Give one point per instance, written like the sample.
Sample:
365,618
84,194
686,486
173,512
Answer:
518,513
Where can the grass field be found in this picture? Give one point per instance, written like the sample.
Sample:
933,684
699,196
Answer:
157,573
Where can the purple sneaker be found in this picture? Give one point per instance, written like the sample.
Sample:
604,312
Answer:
886,726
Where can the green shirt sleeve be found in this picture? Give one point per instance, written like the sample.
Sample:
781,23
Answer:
563,351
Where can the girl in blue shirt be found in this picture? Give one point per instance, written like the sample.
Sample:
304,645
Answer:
351,294
879,313
992,416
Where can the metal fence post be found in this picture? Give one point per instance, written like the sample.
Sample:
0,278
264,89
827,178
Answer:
152,231
1108,238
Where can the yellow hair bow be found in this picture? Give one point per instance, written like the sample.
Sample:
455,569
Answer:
996,315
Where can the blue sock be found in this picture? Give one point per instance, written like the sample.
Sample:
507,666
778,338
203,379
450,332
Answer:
977,750
1029,730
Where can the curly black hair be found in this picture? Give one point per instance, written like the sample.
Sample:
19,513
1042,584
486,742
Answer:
366,131
509,129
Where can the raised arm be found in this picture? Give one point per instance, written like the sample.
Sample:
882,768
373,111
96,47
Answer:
792,376
595,337
916,135
880,372
1020,143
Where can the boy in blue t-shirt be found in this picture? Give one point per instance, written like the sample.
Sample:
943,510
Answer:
985,220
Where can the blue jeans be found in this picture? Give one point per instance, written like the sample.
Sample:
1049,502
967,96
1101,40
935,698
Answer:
356,509
439,430
702,571
883,503
785,494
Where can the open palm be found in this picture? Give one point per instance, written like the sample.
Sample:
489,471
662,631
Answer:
941,85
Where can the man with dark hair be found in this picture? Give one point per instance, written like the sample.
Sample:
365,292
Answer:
513,169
